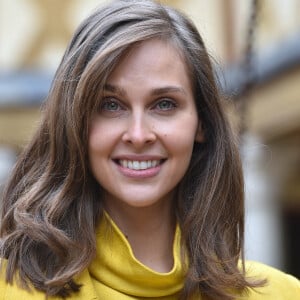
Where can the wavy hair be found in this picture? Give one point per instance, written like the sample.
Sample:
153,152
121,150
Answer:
51,206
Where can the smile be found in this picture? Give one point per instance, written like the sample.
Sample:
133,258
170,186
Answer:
139,165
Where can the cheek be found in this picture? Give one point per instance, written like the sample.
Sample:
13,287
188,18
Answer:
181,146
180,137
101,136
95,140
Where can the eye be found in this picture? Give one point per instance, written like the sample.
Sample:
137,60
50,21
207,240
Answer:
165,105
110,105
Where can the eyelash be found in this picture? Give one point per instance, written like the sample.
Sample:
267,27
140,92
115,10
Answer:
166,101
107,101
118,106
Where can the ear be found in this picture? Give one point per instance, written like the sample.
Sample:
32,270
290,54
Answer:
199,137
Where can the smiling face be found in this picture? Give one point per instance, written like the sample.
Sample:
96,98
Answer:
141,138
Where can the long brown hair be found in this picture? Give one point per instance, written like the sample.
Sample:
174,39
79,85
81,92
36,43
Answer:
52,204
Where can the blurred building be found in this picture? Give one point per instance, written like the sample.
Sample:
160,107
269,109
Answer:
34,33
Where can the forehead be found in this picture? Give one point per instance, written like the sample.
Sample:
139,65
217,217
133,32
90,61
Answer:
153,60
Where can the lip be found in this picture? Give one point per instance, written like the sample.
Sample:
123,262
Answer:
138,157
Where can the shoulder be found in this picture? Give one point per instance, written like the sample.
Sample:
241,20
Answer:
279,285
3,284
12,291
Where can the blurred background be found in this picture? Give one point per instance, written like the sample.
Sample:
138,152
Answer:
255,47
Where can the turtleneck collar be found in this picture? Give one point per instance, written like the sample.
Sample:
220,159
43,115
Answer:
115,268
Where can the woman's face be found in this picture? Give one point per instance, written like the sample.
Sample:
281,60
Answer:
141,139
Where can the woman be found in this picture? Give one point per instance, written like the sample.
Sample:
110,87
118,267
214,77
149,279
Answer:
132,187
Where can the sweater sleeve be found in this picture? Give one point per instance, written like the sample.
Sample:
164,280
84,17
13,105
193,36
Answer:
3,283
280,285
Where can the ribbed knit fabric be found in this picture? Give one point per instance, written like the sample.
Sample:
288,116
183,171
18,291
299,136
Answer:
117,274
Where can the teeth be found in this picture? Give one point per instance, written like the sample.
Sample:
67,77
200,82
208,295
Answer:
143,165
139,165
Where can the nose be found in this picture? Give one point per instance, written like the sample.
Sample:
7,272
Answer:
139,131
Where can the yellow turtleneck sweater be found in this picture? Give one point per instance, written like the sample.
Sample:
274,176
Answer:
115,274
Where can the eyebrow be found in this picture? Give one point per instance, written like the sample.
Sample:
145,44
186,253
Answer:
168,89
156,91
114,89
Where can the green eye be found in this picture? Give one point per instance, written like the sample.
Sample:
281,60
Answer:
165,105
110,105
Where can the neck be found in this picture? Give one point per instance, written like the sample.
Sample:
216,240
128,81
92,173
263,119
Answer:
150,232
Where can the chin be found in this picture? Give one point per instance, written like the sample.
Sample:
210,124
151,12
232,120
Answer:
140,203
